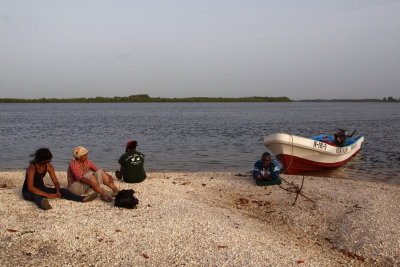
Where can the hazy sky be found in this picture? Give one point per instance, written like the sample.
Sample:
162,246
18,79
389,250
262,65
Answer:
300,49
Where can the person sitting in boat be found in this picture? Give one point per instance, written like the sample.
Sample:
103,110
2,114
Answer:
266,171
340,139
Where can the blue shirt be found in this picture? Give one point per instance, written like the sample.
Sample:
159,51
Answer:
272,170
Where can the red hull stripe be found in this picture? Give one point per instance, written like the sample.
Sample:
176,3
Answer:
295,165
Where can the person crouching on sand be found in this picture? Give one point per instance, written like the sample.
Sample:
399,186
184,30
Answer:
34,188
83,175
266,171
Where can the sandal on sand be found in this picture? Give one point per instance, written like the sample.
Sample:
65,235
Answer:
45,204
106,198
91,197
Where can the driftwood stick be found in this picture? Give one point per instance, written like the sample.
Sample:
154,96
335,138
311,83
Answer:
296,190
297,195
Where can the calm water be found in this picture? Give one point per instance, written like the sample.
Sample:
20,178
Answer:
197,136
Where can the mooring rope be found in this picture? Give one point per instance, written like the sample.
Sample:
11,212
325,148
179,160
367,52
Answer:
291,160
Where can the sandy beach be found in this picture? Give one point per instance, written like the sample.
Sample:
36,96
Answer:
207,219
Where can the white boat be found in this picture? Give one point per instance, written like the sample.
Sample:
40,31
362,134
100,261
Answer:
298,154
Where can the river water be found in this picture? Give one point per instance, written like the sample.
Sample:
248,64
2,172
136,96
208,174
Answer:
197,136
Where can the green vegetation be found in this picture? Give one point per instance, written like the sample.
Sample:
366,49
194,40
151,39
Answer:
143,98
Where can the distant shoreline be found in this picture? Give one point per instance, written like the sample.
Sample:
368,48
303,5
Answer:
143,98
146,99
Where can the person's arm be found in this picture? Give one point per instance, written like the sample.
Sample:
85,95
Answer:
91,166
70,176
32,188
267,175
95,168
257,171
53,177
121,162
121,159
94,185
256,174
273,172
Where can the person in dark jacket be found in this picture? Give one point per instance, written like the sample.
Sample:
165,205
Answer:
266,171
132,165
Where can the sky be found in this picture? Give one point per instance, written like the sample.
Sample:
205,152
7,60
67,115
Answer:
307,49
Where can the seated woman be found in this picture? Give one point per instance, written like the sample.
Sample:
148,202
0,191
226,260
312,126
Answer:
266,171
34,188
83,175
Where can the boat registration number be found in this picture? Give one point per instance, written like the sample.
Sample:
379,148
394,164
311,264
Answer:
339,150
320,145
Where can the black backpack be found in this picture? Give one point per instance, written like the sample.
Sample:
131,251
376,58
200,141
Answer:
125,199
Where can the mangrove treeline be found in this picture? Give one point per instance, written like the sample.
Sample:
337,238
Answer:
146,99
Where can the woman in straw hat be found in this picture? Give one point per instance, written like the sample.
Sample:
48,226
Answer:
83,175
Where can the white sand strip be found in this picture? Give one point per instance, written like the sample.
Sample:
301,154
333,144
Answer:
206,219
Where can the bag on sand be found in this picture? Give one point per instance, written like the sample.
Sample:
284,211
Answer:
125,199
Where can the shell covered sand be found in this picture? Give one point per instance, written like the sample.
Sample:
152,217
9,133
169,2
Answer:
206,219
